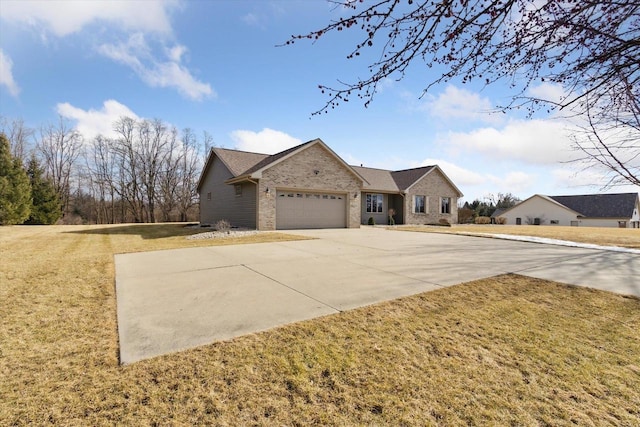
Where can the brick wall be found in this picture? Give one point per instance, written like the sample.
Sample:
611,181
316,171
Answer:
298,173
435,186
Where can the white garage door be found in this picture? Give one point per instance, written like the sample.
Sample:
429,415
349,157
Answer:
310,210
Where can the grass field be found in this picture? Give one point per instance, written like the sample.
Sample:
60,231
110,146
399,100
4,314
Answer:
624,237
503,351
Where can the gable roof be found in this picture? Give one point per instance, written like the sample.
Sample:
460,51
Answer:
378,179
235,160
397,181
256,170
601,205
244,165
269,160
407,177
238,161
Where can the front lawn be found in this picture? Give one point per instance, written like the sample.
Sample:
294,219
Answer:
604,236
509,350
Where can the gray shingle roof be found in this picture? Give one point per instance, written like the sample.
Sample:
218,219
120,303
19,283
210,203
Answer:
272,158
238,161
405,178
378,179
600,205
244,163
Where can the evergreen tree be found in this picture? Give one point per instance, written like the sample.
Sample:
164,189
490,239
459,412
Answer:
46,207
15,190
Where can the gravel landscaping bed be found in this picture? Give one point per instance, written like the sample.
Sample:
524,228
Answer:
222,234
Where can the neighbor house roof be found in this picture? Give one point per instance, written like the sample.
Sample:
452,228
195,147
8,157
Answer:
600,205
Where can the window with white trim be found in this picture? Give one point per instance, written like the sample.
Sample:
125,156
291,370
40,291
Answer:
419,204
374,203
445,205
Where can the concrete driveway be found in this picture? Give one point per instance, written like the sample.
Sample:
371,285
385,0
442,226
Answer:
176,299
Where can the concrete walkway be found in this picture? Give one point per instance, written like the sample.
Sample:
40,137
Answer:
177,299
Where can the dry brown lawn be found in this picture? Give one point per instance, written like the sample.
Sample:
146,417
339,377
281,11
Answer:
624,237
503,351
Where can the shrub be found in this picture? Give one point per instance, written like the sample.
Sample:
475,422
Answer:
483,220
501,220
371,221
445,222
222,225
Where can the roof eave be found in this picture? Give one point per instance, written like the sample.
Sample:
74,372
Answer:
258,174
460,194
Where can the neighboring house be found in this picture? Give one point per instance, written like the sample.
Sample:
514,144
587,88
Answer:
591,210
310,186
495,215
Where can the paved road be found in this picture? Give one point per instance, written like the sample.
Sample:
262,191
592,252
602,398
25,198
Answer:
177,299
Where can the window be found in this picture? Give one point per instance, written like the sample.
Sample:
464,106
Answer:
238,188
419,204
445,205
518,221
209,196
374,203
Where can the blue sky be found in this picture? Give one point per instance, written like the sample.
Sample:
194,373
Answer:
214,66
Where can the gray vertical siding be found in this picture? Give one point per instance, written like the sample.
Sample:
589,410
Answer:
240,211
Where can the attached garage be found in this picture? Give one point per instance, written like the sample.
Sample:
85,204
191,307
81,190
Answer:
310,210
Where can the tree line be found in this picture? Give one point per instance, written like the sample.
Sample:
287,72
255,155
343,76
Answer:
146,171
470,211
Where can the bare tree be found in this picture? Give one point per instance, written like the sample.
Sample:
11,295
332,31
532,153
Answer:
153,140
168,180
189,170
59,146
127,183
610,141
591,48
101,166
177,184
20,138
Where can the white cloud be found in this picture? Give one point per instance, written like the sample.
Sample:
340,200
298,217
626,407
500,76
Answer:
6,74
137,54
517,183
91,123
252,19
135,18
552,92
267,141
528,141
71,16
457,174
456,104
477,184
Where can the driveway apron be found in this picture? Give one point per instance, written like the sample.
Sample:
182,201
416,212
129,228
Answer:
177,299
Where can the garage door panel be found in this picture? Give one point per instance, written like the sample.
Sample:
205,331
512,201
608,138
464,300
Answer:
310,210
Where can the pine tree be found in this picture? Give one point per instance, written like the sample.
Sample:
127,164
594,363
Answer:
15,189
46,207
